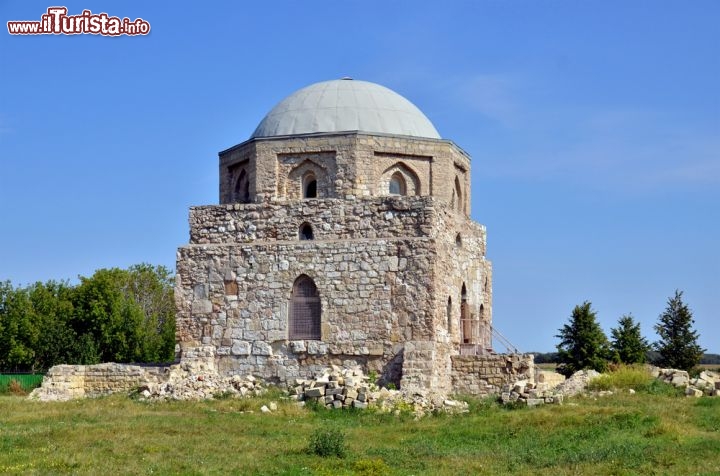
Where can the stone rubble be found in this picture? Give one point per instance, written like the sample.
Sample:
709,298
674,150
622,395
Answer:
533,394
547,391
184,385
577,383
337,387
707,383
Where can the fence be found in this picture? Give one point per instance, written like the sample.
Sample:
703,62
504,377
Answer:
26,381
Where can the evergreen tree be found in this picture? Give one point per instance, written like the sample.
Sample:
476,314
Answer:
583,344
628,345
678,346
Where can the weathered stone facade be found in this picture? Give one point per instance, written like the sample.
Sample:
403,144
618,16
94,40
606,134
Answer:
67,382
338,248
484,376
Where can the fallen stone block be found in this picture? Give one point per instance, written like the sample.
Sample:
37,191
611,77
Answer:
315,392
693,392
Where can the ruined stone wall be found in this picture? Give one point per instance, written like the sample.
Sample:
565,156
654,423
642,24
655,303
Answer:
382,267
389,217
236,299
483,375
66,382
461,251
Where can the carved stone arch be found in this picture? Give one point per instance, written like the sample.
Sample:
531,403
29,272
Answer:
239,182
308,180
241,190
399,179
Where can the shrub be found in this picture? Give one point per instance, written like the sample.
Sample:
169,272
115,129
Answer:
371,467
658,387
622,378
326,442
16,388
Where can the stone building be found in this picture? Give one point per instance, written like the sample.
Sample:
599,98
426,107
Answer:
342,237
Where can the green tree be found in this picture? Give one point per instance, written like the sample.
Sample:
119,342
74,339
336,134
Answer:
51,311
628,345
678,346
114,315
583,344
18,333
128,314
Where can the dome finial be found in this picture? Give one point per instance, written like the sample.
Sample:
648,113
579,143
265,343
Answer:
346,78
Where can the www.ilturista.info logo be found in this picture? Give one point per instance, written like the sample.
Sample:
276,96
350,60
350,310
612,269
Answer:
57,22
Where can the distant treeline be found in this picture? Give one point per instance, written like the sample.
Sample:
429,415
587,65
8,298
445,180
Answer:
652,356
116,315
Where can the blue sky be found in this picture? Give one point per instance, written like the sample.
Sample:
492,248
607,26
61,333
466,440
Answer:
594,129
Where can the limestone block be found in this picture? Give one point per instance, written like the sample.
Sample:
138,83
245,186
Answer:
261,348
202,306
298,346
317,348
240,347
680,379
693,392
315,392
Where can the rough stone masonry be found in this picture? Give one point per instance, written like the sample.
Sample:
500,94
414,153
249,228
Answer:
343,238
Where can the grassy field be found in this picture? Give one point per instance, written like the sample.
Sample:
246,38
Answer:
621,434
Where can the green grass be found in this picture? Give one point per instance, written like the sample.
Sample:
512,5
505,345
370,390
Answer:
635,377
623,434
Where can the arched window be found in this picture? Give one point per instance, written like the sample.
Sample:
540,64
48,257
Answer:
458,195
309,186
465,324
449,314
305,310
458,240
306,232
397,184
242,188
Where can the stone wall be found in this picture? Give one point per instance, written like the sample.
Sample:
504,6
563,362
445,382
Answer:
389,217
384,269
483,375
66,382
236,298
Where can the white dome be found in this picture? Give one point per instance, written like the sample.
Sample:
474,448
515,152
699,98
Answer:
345,105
